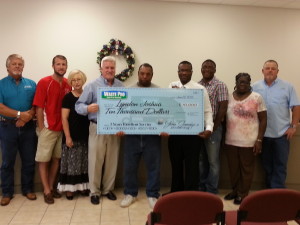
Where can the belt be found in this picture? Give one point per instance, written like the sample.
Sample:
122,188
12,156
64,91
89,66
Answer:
5,120
94,121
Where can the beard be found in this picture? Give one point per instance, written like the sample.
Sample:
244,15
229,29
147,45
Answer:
17,73
145,83
59,74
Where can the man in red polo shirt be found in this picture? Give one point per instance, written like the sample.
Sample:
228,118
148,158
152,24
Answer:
48,101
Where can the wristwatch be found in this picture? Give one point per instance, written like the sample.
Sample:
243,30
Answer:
18,114
293,126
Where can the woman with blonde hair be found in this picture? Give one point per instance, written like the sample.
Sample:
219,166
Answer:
74,159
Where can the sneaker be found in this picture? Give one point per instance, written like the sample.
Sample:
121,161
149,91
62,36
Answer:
127,201
152,201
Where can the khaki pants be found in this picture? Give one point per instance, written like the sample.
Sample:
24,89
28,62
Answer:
103,161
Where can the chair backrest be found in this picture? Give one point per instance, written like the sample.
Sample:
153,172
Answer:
271,205
188,208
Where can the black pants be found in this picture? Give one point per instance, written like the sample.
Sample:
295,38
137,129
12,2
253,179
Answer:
184,155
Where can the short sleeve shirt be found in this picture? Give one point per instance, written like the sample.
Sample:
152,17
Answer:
279,98
242,120
49,95
217,92
78,124
17,96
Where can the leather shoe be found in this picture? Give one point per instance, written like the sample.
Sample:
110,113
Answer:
85,193
56,194
238,200
111,196
48,198
230,196
30,196
69,195
5,200
95,200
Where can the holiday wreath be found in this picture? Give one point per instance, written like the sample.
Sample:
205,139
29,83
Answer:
118,47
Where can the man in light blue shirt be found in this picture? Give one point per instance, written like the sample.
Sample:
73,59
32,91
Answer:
103,149
280,97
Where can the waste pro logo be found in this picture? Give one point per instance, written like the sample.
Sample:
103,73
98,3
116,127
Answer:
114,94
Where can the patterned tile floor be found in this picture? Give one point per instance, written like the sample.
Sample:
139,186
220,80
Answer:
80,211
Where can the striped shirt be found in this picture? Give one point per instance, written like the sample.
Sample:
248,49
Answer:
217,91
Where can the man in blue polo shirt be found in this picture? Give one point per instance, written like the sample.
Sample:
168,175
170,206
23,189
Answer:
17,130
280,98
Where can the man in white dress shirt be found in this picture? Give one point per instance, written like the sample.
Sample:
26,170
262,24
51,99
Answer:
184,149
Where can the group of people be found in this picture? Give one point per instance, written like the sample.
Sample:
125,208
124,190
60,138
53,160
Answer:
256,120
73,158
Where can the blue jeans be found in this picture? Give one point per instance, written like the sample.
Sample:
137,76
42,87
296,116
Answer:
275,153
136,147
209,162
14,140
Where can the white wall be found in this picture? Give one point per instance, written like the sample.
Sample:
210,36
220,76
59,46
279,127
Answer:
239,39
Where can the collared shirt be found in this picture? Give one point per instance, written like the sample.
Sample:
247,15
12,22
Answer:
49,95
151,86
217,92
279,98
136,85
18,97
208,120
89,96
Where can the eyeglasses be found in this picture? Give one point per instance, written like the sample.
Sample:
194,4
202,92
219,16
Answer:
76,80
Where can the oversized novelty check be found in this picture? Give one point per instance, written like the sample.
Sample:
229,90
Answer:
150,111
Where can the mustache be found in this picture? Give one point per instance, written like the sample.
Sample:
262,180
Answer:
17,73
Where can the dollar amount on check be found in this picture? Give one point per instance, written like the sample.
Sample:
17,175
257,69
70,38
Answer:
150,111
